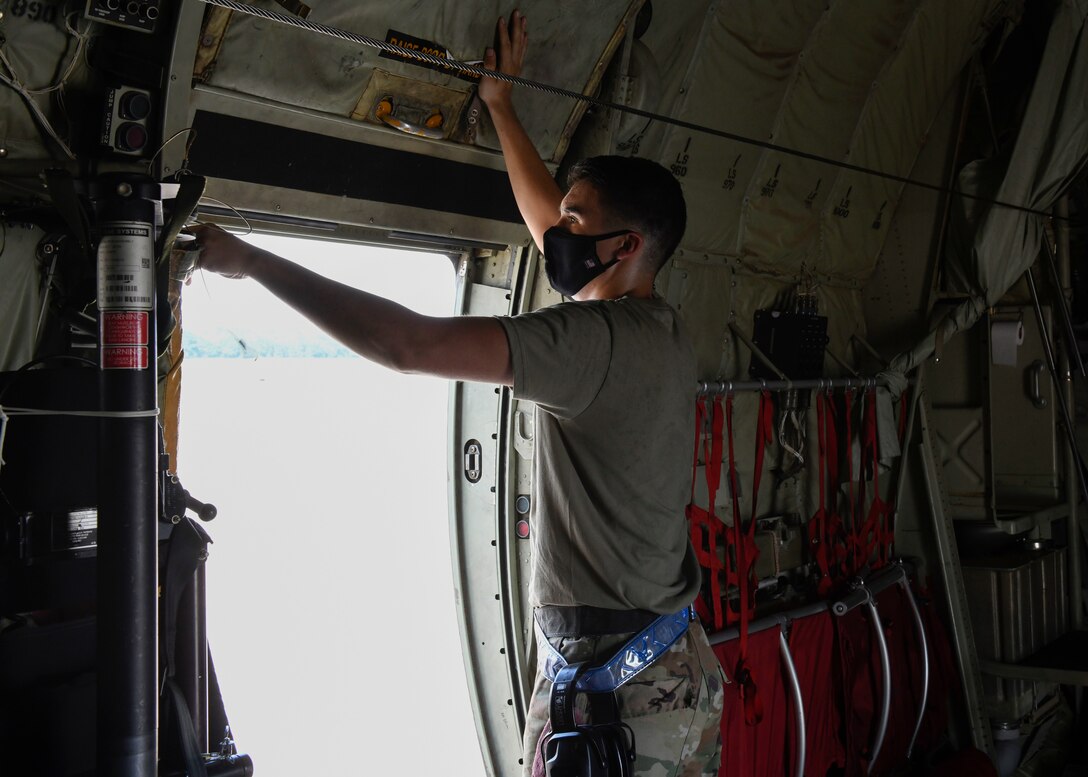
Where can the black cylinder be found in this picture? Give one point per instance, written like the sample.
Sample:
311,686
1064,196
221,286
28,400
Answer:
192,655
127,479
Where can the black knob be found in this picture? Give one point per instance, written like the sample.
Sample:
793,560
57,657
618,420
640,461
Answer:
134,105
131,137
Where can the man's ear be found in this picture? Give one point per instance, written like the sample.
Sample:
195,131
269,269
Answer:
631,245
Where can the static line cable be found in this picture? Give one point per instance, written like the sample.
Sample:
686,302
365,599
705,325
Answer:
14,412
467,68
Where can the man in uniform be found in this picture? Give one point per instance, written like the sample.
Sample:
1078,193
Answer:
613,377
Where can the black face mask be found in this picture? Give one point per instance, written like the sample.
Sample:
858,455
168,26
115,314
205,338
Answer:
571,260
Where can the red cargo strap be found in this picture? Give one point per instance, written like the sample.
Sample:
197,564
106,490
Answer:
745,548
705,524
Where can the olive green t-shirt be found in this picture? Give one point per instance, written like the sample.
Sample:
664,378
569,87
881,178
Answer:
614,383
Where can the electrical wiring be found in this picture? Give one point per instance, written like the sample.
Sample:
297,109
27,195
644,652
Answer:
81,43
236,212
165,143
12,80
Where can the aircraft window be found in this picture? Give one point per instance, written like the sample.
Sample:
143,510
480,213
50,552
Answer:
330,598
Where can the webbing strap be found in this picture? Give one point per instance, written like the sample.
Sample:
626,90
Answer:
744,547
875,530
853,511
705,525
736,568
819,525
640,652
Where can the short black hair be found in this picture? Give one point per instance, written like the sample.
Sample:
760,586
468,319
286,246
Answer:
641,194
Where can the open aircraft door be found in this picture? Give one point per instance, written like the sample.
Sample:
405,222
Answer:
822,148
342,141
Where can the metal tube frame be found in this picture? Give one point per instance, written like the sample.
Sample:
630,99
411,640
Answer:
715,387
962,630
925,667
798,703
886,667
1052,367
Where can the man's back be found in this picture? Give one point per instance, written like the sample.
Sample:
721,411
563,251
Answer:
613,381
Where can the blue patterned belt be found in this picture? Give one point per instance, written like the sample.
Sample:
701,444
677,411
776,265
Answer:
640,651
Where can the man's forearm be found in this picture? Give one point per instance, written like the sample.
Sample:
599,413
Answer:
537,194
454,347
375,328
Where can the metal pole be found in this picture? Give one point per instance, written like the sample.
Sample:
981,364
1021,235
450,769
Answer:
806,384
192,655
1072,473
128,460
952,572
920,626
1052,366
886,691
1060,281
798,701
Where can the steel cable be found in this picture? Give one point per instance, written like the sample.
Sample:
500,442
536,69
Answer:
465,67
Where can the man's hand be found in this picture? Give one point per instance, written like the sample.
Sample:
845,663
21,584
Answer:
512,40
222,252
536,192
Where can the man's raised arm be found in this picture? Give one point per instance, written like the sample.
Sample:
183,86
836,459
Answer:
537,194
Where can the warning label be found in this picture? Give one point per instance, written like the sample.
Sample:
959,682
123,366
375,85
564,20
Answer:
126,276
75,530
128,328
424,47
132,357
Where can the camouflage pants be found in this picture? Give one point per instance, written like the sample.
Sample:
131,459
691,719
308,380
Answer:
674,706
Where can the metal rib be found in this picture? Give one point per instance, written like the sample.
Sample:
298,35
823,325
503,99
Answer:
886,702
798,704
925,666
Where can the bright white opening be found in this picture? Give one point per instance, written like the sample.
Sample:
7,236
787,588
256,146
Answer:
330,596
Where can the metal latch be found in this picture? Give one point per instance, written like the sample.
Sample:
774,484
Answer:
474,458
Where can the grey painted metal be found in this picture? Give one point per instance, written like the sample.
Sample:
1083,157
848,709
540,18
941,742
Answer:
768,622
477,547
925,666
1052,366
1069,336
945,539
904,446
865,590
814,384
1062,280
886,691
178,89
1029,521
798,703
1037,674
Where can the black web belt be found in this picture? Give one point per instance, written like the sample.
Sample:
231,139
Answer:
586,621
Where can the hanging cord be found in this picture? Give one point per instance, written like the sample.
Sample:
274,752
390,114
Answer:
454,65
798,434
12,80
3,434
27,411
